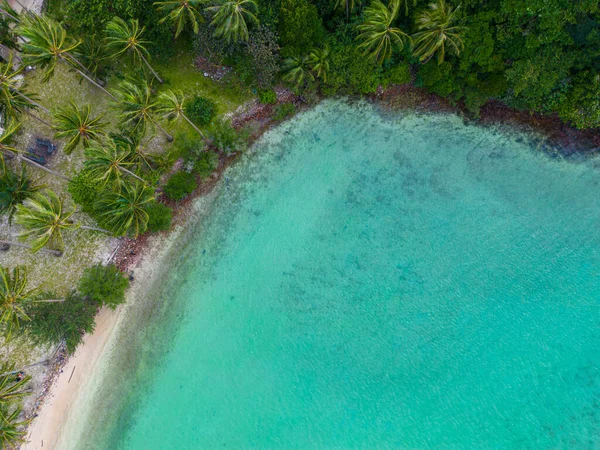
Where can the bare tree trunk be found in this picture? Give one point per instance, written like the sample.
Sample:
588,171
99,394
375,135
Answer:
192,124
39,166
87,77
169,137
18,244
39,119
85,69
47,111
85,227
151,69
39,363
129,172
49,301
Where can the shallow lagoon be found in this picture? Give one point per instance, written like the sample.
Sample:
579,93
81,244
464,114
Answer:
377,281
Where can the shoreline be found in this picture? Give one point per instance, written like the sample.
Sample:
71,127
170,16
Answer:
145,255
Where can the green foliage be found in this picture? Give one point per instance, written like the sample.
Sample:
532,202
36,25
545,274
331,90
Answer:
581,106
160,217
300,27
263,51
397,74
123,211
201,110
206,164
103,285
284,111
231,18
267,96
84,189
226,139
15,188
180,185
68,320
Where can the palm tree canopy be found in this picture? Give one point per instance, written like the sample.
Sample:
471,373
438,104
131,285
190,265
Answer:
436,31
11,81
297,71
124,212
12,432
179,12
230,17
15,188
136,104
171,104
78,126
93,54
46,43
10,389
377,34
318,61
43,218
10,128
107,163
122,37
14,296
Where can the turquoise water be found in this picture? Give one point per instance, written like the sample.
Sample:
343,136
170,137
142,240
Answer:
379,281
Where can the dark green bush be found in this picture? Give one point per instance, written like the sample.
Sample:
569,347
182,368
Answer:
397,74
206,164
103,285
69,320
180,185
84,190
284,110
160,217
201,110
226,138
267,96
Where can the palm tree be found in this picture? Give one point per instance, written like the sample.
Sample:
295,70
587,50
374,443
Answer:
44,218
15,189
436,31
172,105
297,71
6,149
78,126
14,297
122,37
179,12
124,212
47,44
230,18
11,85
137,106
93,54
12,431
11,390
136,152
108,164
377,34
347,5
318,61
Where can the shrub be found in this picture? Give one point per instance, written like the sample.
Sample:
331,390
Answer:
284,110
300,27
398,74
84,190
226,138
103,285
201,110
263,50
69,320
180,185
267,96
159,217
206,164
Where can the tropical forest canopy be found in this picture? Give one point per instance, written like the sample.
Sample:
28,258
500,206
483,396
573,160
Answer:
541,55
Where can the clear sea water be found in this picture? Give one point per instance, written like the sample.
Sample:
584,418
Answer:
374,281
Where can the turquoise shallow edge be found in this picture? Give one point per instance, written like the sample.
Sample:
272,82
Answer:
374,281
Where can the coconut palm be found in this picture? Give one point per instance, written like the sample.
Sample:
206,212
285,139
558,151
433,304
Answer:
436,31
230,17
6,149
10,389
297,71
172,105
179,12
377,35
14,297
47,44
15,188
78,126
93,54
123,37
12,429
124,212
318,61
109,163
136,151
44,218
11,86
137,106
